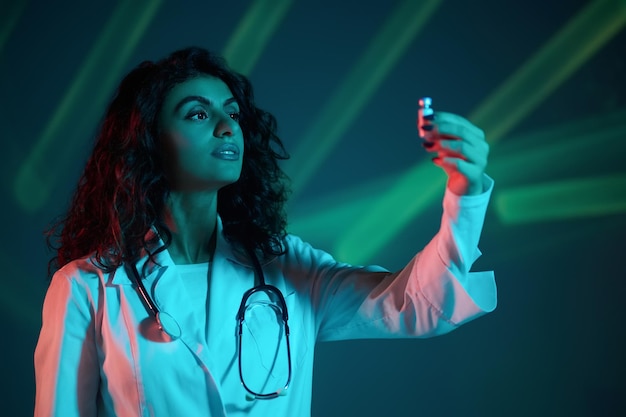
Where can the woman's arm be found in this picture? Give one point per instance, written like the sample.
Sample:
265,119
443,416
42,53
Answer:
433,294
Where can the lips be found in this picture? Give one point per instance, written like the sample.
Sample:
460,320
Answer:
226,151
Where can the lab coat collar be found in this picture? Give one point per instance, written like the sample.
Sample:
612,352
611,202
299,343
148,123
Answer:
162,259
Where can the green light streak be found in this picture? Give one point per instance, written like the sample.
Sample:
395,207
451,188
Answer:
521,250
555,62
87,97
254,32
9,19
585,197
399,29
323,225
379,223
581,143
499,113
323,219
548,152
334,216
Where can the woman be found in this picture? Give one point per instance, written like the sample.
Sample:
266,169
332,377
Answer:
179,214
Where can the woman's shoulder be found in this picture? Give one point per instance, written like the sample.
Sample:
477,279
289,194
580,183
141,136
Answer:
82,271
300,250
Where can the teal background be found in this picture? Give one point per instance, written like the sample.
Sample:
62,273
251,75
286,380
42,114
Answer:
553,347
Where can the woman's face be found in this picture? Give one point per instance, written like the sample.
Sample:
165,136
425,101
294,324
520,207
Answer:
201,136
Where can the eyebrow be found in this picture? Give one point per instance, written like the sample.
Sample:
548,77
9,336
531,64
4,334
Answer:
202,100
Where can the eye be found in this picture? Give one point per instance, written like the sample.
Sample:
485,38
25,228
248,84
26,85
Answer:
197,115
235,116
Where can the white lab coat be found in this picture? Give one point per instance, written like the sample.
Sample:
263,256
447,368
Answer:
99,353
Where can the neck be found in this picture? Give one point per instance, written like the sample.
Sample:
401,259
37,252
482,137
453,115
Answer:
192,218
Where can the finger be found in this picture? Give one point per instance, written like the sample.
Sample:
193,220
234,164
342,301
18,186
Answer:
458,165
452,126
472,152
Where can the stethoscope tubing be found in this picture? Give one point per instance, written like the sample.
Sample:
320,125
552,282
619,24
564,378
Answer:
169,326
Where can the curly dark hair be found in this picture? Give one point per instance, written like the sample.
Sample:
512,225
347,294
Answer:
122,192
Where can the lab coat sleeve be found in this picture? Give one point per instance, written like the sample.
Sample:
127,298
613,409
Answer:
66,360
434,294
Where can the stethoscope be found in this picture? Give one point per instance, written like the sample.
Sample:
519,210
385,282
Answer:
168,325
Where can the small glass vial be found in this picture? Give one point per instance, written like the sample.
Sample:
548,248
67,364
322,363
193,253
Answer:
424,114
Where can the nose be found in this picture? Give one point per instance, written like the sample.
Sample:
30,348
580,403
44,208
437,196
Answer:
224,127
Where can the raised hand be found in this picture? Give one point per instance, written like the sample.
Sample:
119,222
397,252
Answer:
461,151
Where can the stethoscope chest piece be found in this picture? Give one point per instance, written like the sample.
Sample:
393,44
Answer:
168,325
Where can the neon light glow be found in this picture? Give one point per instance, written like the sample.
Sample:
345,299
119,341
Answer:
8,20
567,199
503,110
356,89
254,32
103,66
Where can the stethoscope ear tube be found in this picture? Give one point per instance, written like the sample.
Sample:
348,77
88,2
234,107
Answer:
165,321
